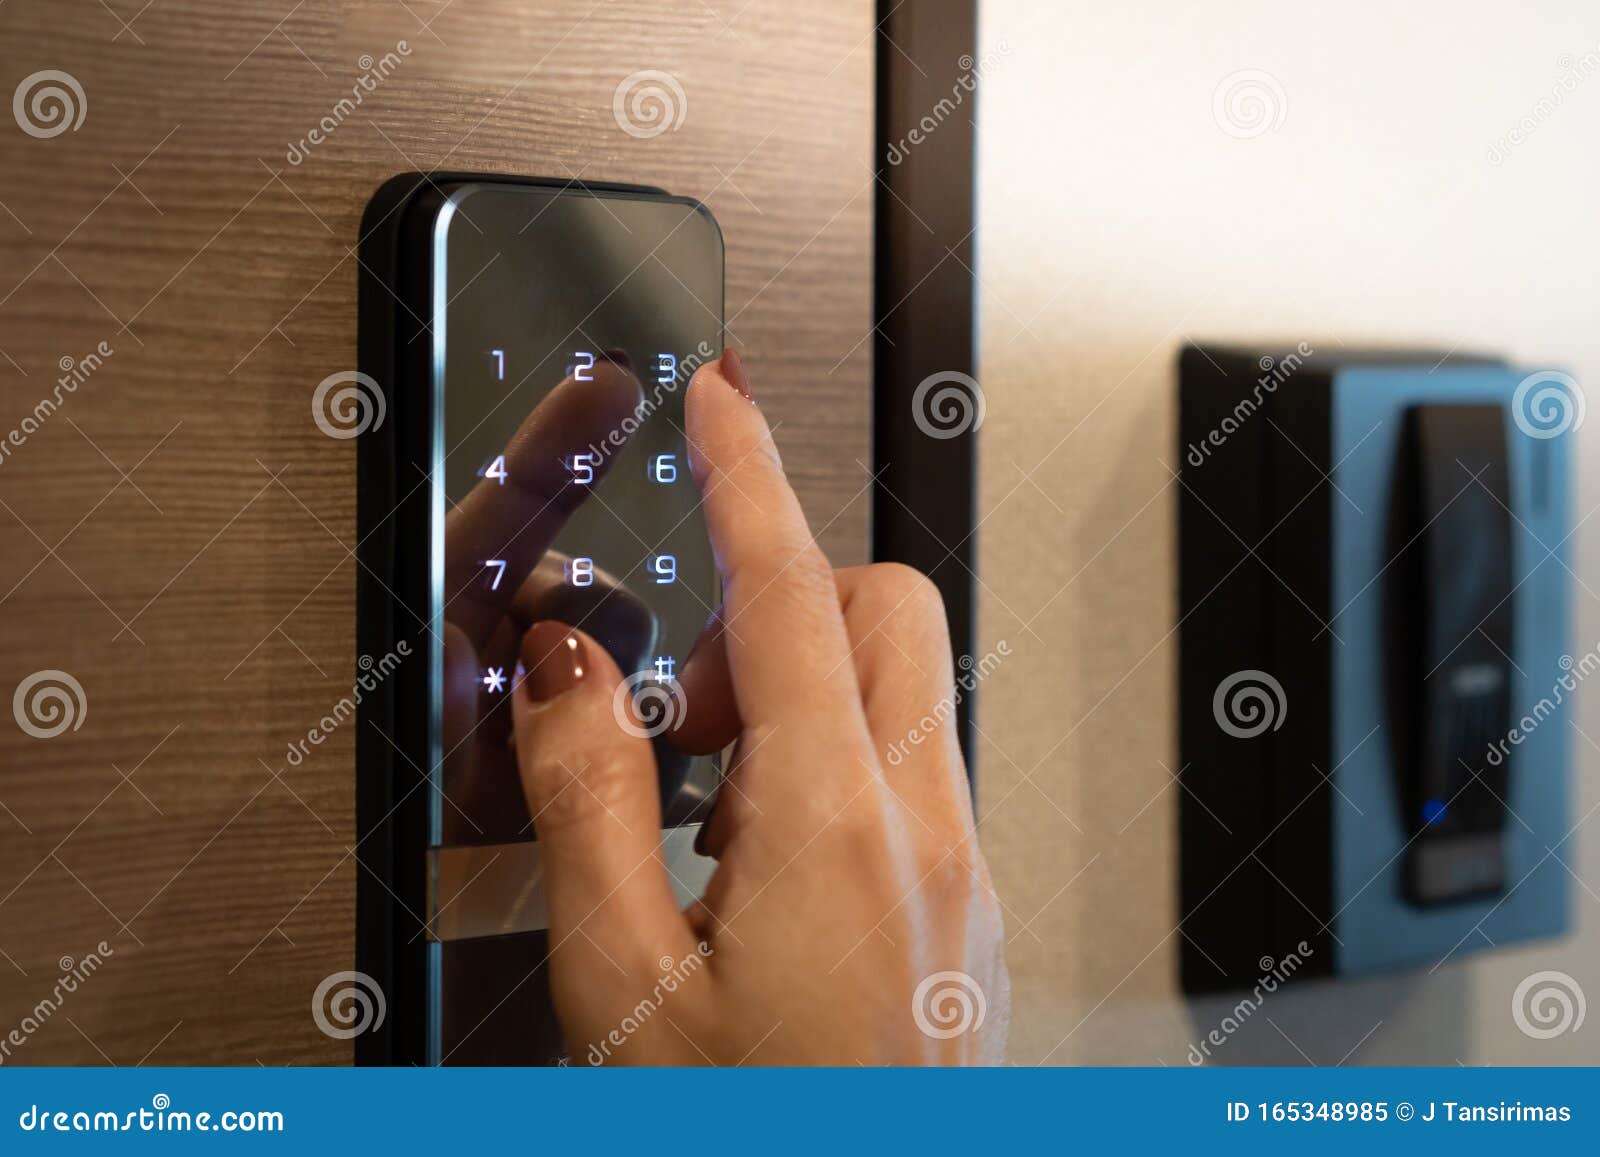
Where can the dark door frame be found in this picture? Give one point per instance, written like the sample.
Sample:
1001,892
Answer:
924,496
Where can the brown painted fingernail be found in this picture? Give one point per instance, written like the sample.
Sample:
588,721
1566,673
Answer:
555,659
734,372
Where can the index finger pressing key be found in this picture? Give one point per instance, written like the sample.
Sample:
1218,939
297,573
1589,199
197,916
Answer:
788,650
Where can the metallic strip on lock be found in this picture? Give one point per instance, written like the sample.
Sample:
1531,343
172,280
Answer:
477,890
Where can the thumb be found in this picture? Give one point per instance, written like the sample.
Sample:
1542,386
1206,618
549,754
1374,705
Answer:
591,789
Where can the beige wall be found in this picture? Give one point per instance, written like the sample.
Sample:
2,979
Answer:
1118,219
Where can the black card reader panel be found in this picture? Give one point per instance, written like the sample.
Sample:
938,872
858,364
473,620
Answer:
1449,633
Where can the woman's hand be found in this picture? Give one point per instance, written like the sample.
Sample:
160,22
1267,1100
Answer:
851,918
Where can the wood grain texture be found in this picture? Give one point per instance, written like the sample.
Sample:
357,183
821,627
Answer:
177,534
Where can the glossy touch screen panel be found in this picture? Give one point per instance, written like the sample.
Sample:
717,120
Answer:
564,328
566,485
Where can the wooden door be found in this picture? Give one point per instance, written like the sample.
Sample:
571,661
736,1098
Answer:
180,190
